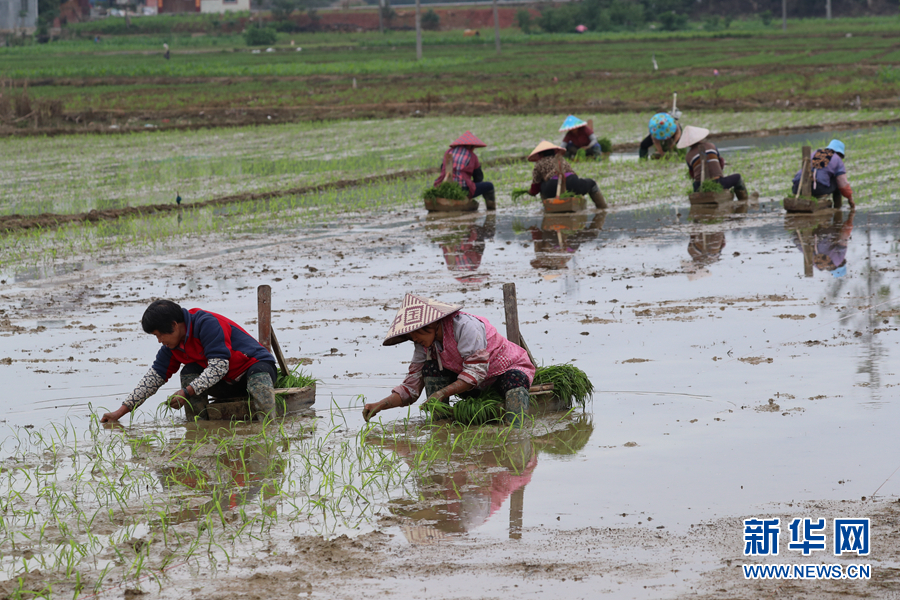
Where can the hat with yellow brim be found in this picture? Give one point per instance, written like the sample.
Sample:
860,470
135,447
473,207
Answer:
415,313
543,147
691,135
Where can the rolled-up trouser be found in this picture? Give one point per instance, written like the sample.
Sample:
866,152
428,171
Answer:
483,188
646,144
258,382
732,181
573,184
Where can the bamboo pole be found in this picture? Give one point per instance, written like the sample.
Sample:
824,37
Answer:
497,27
418,30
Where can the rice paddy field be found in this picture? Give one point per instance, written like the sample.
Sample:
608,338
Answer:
124,82
738,372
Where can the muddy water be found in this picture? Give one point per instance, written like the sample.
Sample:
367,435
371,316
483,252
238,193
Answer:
733,370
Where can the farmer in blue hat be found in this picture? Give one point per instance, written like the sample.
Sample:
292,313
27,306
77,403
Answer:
665,131
579,136
829,176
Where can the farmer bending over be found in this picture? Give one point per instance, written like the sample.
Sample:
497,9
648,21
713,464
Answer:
219,358
545,176
828,174
579,136
700,151
455,352
466,171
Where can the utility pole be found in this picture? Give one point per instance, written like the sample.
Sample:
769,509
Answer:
784,15
496,27
418,30
828,9
380,16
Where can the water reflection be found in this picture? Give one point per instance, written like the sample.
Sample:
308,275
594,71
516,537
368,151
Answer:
822,239
472,473
560,236
219,475
462,241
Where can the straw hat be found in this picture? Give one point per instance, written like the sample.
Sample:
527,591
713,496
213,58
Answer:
691,135
468,139
572,122
544,145
415,313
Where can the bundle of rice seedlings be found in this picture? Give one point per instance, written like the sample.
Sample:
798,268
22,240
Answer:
478,410
448,189
568,194
711,185
518,193
605,144
437,410
570,384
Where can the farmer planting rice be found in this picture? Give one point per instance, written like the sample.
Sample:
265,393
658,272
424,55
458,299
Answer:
455,353
829,176
665,132
466,170
547,170
700,152
579,136
219,358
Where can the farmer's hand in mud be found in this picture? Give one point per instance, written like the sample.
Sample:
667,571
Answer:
114,415
373,408
178,399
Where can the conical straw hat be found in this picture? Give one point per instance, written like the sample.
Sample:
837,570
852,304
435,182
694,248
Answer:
417,312
572,122
468,139
691,135
544,145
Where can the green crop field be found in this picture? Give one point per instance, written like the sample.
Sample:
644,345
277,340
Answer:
815,63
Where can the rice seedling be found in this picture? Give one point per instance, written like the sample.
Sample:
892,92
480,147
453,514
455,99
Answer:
447,189
570,384
711,185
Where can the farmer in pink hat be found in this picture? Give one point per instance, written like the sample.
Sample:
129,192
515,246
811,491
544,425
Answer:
545,176
455,353
466,170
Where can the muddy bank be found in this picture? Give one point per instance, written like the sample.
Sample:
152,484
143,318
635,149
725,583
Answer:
114,122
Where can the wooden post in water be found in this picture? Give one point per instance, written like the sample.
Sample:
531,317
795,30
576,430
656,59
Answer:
805,178
516,508
511,307
264,315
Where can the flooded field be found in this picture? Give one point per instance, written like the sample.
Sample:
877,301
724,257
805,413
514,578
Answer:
735,377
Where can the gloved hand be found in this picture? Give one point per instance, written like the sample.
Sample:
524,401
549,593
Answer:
847,192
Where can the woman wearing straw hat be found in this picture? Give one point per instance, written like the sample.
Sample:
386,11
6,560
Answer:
466,170
455,352
579,136
665,132
545,176
700,150
829,174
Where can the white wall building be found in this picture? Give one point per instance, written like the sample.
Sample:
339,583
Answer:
221,6
18,15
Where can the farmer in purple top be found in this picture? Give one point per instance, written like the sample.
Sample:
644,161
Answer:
829,174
